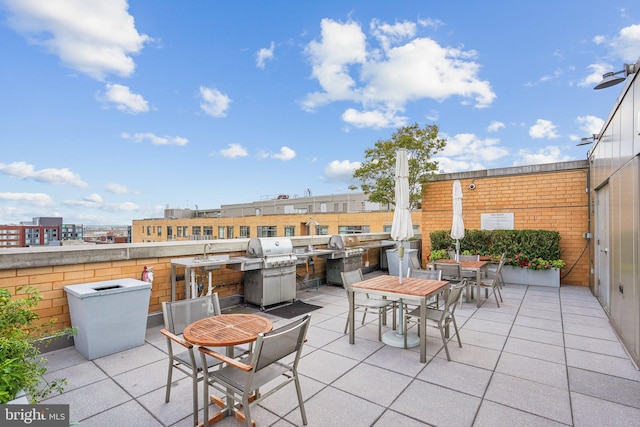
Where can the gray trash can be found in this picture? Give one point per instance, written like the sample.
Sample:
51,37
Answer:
111,316
393,260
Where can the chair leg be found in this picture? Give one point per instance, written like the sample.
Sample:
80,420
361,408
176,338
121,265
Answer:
246,411
168,391
300,400
455,327
444,341
346,325
194,394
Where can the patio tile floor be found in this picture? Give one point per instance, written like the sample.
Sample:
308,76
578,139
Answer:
546,357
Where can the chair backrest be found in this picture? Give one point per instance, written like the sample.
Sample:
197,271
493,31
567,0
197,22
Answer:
426,274
415,263
450,270
351,277
452,300
179,314
469,257
498,275
273,346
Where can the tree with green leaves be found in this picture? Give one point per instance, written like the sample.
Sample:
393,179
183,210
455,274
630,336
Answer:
377,173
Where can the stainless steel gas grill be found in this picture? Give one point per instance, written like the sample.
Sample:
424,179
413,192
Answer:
346,255
270,271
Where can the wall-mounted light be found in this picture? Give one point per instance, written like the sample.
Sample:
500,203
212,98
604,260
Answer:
610,79
587,140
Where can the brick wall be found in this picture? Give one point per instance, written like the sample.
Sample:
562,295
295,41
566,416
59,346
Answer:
544,201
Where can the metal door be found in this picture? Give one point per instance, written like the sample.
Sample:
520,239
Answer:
603,257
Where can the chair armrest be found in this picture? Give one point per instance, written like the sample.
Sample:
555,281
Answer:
233,362
175,338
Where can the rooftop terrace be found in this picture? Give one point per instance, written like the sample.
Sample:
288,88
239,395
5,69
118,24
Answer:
547,356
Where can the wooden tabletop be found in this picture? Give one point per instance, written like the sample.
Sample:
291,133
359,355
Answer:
227,330
409,286
465,263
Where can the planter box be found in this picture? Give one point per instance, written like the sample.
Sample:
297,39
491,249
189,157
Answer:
524,276
21,399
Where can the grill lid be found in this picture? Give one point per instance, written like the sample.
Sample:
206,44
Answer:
341,241
269,246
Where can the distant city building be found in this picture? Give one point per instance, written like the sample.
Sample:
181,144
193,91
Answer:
40,231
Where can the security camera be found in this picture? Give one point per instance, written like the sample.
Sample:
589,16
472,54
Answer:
472,186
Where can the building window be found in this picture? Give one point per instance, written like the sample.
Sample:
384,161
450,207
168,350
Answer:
220,232
196,230
169,231
322,230
244,232
159,231
386,229
179,230
185,231
268,231
230,232
353,229
149,230
208,230
289,231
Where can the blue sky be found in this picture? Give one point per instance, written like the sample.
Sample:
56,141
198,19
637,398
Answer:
114,110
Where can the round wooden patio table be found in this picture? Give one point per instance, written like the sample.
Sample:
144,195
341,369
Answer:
224,330
227,330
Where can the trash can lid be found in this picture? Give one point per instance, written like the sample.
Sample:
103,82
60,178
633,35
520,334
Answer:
106,287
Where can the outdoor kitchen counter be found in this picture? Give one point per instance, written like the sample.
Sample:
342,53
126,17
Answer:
212,262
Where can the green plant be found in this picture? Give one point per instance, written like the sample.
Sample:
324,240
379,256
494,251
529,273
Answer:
521,260
521,246
21,366
438,254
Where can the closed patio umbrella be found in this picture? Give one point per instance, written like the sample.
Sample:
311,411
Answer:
402,227
401,230
457,227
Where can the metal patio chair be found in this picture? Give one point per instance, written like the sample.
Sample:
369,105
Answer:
382,306
241,380
177,316
495,283
441,318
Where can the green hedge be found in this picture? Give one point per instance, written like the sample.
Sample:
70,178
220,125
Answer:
532,244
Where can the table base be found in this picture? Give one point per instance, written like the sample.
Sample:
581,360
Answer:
394,339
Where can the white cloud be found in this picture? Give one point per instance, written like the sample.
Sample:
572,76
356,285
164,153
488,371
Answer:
591,125
495,126
23,170
214,103
124,99
595,75
384,79
549,154
234,150
154,139
341,170
36,199
265,54
543,129
470,148
285,154
449,165
94,37
627,44
118,189
373,119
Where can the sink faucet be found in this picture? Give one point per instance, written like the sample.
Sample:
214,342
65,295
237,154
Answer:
207,249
